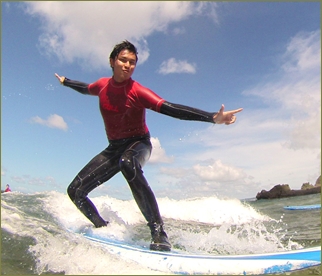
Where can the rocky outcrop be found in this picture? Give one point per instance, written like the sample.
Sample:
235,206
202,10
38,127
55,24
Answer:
284,190
306,186
318,182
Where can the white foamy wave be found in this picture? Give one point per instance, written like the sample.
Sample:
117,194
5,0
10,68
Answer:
111,209
210,210
200,225
44,217
74,255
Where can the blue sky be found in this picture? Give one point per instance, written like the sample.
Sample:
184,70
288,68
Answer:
262,56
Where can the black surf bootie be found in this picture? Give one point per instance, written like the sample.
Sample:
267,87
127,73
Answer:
160,240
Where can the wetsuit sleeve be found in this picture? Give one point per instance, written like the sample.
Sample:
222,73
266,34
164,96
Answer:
80,87
186,113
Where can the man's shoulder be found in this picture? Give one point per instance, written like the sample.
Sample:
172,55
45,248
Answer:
101,82
95,87
138,86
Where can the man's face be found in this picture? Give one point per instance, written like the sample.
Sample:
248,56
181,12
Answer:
123,65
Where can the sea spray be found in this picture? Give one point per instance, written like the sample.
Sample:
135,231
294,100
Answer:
43,220
208,225
196,225
211,210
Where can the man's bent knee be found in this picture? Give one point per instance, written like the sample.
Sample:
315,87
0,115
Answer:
71,191
129,167
75,193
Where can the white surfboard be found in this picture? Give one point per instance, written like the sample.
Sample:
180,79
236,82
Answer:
183,263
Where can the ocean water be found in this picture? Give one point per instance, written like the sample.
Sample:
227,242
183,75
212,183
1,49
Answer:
35,239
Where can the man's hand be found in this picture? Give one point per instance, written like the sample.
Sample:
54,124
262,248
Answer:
60,78
227,117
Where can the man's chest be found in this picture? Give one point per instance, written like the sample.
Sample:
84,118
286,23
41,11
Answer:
116,101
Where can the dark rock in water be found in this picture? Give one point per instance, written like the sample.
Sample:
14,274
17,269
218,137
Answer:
306,186
284,190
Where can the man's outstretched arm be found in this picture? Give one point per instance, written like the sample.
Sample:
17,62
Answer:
80,87
189,113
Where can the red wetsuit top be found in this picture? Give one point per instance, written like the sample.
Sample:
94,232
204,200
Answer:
123,105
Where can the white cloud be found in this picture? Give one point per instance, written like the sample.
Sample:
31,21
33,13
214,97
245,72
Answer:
86,31
53,121
296,92
45,183
218,171
178,31
303,52
158,153
176,66
211,177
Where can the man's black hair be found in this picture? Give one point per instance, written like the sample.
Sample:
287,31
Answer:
125,45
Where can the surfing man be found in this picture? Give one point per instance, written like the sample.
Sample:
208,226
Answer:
123,102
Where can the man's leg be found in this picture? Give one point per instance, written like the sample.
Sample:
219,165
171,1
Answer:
131,164
100,169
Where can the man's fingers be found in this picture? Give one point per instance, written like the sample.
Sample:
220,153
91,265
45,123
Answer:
58,77
237,110
229,112
221,110
61,79
232,120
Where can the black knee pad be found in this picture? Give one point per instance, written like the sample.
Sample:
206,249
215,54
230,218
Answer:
129,166
74,192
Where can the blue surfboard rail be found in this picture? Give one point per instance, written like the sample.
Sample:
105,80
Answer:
303,207
179,262
313,253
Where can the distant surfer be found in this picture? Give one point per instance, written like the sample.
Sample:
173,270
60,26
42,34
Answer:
7,189
123,103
